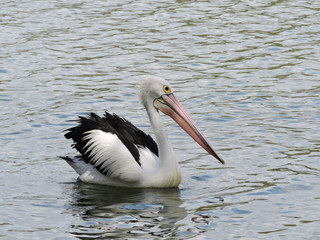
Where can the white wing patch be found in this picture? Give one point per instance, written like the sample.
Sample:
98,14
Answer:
107,152
149,161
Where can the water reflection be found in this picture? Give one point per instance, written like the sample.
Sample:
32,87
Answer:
118,213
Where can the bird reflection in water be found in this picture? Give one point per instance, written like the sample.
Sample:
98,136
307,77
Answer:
109,212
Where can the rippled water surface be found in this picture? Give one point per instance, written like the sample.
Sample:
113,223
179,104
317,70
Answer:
247,72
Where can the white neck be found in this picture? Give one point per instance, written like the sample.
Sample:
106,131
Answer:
166,155
168,167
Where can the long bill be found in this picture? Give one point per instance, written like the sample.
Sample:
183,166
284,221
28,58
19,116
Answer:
169,105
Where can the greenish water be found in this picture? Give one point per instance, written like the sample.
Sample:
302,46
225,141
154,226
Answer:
246,71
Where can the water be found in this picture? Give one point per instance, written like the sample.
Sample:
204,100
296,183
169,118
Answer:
247,72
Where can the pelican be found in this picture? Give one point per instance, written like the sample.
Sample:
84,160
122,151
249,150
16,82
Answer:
116,153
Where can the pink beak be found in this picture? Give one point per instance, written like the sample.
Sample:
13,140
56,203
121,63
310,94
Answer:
169,105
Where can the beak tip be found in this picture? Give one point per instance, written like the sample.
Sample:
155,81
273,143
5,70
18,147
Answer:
216,156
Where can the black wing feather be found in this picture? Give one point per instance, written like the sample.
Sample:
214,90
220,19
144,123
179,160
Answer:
129,135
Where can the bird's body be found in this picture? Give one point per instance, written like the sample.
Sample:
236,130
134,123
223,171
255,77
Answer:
114,152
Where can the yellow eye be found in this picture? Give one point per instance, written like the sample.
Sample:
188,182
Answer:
166,89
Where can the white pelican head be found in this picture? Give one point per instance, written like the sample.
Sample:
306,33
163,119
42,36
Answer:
156,93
